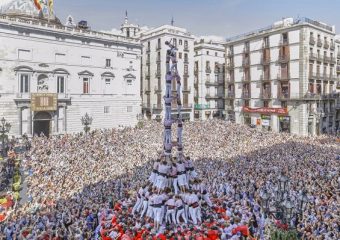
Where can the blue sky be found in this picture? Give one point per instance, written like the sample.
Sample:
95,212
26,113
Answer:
201,17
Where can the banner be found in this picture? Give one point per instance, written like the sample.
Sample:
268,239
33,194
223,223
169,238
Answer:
38,4
51,6
264,110
44,102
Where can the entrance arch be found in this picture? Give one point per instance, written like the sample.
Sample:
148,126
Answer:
42,123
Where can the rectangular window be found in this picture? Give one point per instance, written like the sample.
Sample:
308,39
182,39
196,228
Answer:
106,109
24,54
180,55
108,63
60,58
107,81
86,85
24,83
60,84
85,60
129,109
129,82
180,42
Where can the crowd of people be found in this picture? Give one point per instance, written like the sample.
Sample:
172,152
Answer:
95,186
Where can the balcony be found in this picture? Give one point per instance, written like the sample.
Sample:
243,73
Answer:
265,45
186,89
209,83
266,95
283,58
147,90
332,47
157,107
332,60
146,106
313,75
208,70
326,45
158,47
265,77
147,50
283,77
246,49
312,96
319,58
312,56
338,69
158,74
147,61
283,42
230,53
312,40
325,76
265,61
326,59
230,79
195,71
319,43
186,75
186,60
158,60
230,94
208,96
246,78
246,95
187,106
230,66
246,62
338,56
158,89
147,76
283,95
186,49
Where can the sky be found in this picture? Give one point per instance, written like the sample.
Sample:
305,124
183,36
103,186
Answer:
225,18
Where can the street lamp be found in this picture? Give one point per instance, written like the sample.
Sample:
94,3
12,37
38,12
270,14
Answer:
288,210
5,127
283,183
302,201
265,200
86,120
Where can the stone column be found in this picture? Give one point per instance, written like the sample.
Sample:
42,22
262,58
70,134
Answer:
29,130
20,120
65,119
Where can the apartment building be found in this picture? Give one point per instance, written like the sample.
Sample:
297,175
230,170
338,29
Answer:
209,90
283,77
154,70
337,104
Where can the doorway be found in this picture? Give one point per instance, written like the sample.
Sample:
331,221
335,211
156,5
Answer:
42,124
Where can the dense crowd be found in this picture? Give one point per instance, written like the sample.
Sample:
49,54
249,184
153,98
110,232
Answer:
86,187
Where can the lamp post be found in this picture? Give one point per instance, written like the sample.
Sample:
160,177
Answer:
5,127
86,120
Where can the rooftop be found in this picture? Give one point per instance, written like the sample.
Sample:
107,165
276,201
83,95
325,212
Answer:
287,22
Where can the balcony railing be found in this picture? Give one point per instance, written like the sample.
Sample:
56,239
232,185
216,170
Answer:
230,54
230,94
246,78
230,65
319,58
246,62
332,60
283,58
319,43
265,61
158,89
312,56
338,56
202,106
265,77
313,75
186,49
158,60
147,50
312,40
186,60
338,69
210,83
186,89
147,76
332,47
283,77
158,47
187,106
283,95
147,90
146,106
208,70
246,49
326,44
266,94
157,107
284,42
214,96
157,73
246,95
230,79
326,59
147,61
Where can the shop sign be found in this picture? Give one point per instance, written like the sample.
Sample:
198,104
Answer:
265,110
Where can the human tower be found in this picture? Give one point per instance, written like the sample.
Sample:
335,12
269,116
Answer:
174,194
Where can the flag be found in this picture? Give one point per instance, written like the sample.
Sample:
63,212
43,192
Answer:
37,4
51,6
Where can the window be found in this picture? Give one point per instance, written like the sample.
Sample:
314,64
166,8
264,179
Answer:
180,42
86,85
107,81
24,83
266,104
185,69
216,54
85,60
108,63
129,109
207,52
180,55
106,109
60,84
174,41
129,82
24,54
60,58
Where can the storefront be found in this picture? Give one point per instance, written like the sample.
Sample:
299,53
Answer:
284,124
265,122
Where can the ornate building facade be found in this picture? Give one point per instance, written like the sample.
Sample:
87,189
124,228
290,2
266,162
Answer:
51,74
